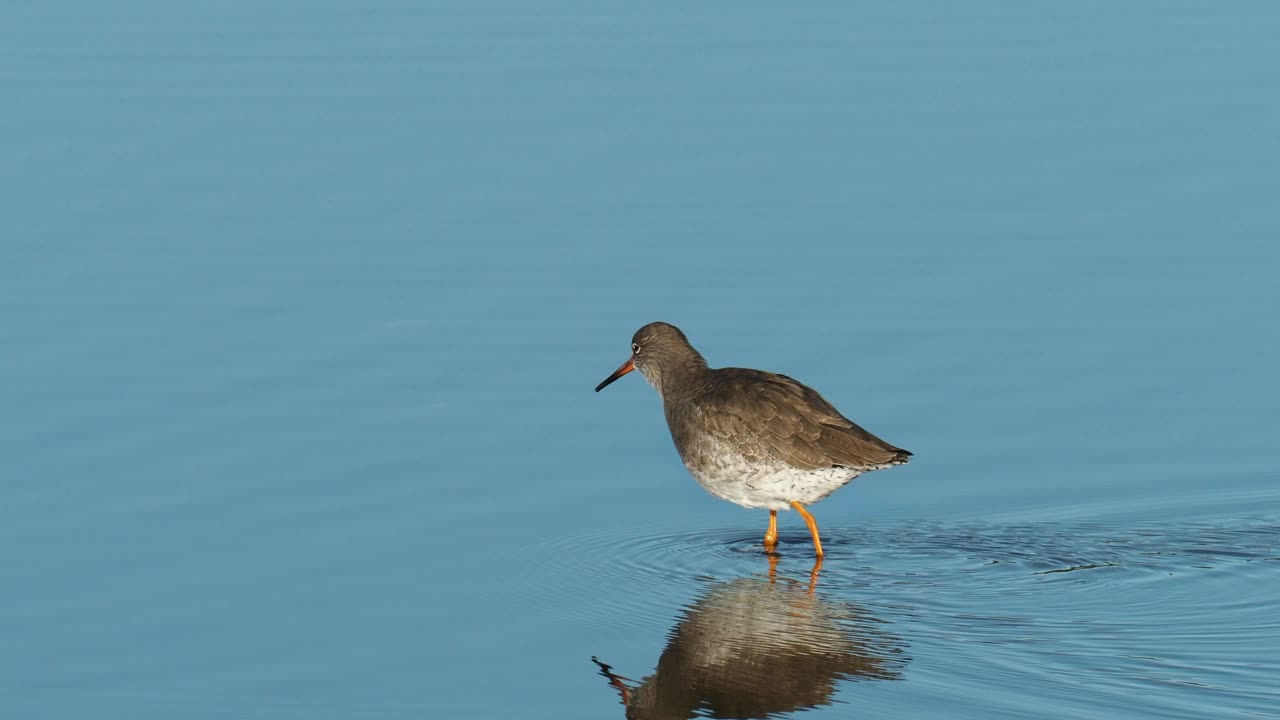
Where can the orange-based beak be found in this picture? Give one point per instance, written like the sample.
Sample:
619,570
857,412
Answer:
627,367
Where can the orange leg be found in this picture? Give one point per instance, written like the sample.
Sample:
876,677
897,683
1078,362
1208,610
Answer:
813,527
771,537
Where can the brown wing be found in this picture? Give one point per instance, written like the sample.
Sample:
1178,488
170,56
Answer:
772,416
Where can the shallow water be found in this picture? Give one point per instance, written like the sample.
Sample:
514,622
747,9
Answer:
303,305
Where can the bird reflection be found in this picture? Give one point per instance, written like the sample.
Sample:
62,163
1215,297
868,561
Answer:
755,647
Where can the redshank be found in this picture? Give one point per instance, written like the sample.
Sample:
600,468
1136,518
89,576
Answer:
754,438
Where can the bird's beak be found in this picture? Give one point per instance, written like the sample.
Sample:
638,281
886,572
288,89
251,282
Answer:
627,367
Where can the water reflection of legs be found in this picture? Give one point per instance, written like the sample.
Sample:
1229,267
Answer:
813,572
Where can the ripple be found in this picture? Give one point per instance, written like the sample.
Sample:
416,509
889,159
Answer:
644,565
1087,615
929,551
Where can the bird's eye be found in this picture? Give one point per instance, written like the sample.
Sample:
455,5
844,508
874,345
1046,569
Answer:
635,348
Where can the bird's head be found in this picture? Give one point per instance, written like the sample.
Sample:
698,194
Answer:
661,353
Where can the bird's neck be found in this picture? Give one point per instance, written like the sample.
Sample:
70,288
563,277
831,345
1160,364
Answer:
681,378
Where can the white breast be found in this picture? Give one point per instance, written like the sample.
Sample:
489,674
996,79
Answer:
770,484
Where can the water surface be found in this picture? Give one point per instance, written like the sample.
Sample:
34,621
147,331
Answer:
303,304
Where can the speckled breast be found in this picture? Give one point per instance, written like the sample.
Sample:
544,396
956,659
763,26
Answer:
759,482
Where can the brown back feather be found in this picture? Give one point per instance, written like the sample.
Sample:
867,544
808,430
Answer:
767,415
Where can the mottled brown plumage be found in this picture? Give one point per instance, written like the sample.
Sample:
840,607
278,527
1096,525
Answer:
766,415
754,438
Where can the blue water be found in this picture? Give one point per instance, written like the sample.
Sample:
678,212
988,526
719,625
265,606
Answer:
302,305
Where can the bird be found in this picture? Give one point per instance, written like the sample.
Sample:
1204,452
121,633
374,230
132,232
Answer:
754,438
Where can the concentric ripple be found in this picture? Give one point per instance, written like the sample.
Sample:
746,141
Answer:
1164,619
